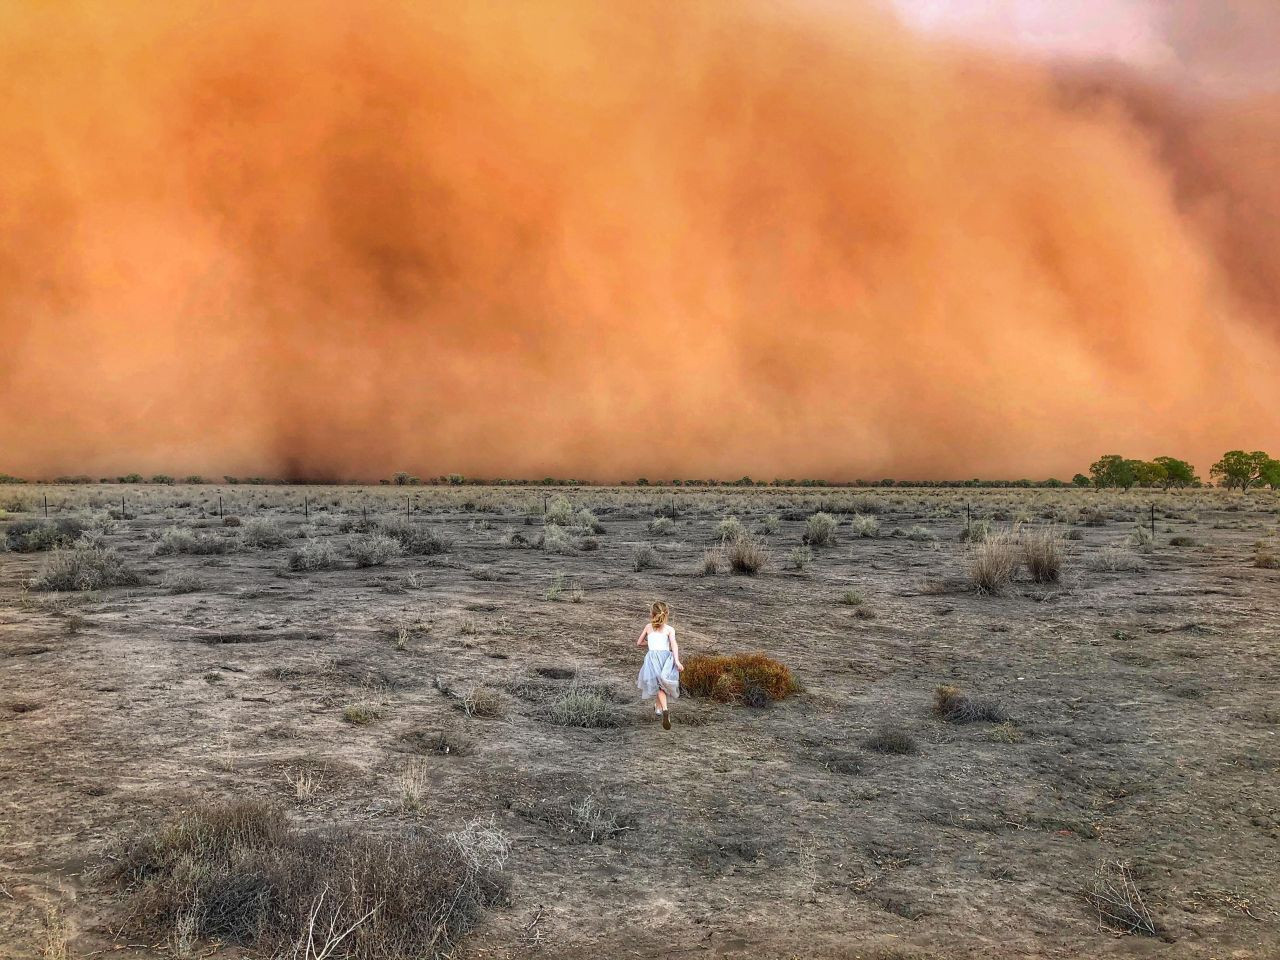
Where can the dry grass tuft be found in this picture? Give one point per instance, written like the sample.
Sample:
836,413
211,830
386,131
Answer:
891,740
86,568
820,530
745,555
243,874
1044,552
728,678
953,706
993,563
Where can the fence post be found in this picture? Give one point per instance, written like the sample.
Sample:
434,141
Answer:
1153,523
406,508
46,506
306,508
123,516
968,522
221,515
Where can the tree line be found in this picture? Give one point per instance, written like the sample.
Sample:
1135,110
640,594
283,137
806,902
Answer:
1237,468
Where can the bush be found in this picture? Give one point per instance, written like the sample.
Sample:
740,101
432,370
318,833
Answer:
661,526
560,512
801,557
953,706
1115,558
1140,539
730,529
1265,556
259,533
645,558
1044,552
712,560
87,568
820,530
484,702
891,740
1182,541
588,521
770,525
864,526
582,706
993,563
727,678
32,536
313,555
360,714
921,534
244,874
976,531
853,598
556,540
416,541
372,549
184,581
745,556
183,540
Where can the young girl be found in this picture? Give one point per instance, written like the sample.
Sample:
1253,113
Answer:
660,672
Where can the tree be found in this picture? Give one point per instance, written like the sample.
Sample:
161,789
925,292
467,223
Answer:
1113,470
1080,480
1148,473
1178,473
1239,469
1270,473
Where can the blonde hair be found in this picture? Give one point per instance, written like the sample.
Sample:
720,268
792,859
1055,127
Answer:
659,614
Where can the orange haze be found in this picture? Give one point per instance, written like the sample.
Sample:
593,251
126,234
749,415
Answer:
614,239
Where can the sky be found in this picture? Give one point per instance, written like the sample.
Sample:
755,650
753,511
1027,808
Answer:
813,239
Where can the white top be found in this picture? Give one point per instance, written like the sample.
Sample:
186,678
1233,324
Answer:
661,639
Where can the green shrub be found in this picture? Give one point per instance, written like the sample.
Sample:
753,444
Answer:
730,529
416,541
32,536
820,530
645,558
864,526
184,540
260,533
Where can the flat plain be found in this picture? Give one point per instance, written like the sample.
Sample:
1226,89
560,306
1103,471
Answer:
392,659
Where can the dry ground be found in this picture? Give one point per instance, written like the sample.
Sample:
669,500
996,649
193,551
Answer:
1142,692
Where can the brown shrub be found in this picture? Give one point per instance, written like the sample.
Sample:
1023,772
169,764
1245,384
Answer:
727,678
243,874
954,706
745,555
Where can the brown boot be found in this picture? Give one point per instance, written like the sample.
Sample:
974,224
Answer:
666,720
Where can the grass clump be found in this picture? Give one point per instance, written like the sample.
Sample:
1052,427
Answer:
582,706
953,706
1044,552
555,539
416,541
372,549
243,874
800,557
921,534
712,561
993,563
864,526
645,558
184,581
88,568
360,714
313,555
1265,555
484,703
182,540
260,533
661,526
770,525
891,740
730,529
820,530
1182,540
728,678
746,555
34,536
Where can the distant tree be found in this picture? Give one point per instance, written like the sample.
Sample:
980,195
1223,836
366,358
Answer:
1177,473
231,480
417,481
642,482
456,479
1112,470
195,479
130,478
1239,469
1053,482
1148,473
1270,473
1080,480
162,478
400,479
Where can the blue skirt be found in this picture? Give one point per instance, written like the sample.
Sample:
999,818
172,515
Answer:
658,672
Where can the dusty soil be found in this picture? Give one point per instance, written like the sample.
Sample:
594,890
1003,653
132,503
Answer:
1144,728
